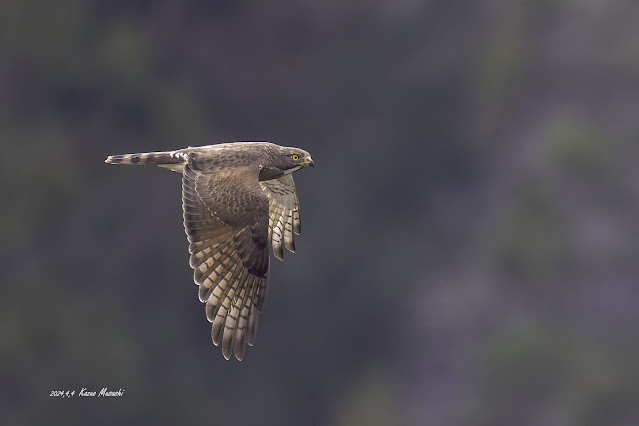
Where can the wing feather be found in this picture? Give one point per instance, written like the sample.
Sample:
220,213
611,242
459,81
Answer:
284,213
226,223
257,302
240,338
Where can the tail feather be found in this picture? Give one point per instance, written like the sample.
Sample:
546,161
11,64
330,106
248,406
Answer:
165,158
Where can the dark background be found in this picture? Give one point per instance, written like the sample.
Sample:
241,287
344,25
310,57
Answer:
469,246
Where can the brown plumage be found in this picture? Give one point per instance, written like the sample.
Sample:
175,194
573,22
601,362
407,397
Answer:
236,197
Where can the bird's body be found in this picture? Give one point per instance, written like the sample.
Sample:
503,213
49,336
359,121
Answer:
236,198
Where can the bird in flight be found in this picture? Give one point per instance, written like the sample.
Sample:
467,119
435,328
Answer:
236,198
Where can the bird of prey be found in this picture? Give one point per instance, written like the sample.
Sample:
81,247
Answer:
236,198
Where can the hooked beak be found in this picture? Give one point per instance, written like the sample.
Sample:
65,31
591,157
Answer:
309,162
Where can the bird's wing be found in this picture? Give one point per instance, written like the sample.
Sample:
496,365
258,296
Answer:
284,213
225,219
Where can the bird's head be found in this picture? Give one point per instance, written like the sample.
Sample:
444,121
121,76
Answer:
291,159
283,160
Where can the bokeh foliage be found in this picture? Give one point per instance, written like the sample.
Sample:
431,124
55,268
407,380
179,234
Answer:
469,251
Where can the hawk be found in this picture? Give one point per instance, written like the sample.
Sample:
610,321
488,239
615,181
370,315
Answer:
236,198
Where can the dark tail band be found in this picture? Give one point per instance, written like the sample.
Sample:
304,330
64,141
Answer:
157,158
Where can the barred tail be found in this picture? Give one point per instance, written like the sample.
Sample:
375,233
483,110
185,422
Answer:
164,158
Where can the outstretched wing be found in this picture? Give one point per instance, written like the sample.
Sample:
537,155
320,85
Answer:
284,213
225,219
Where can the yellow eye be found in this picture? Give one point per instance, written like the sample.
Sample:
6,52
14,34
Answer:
295,157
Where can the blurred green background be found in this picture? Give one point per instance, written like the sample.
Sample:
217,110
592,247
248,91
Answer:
469,253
